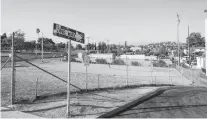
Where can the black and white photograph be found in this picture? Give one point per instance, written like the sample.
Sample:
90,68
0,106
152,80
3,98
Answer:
103,59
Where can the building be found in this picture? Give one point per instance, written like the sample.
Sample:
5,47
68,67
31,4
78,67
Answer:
135,48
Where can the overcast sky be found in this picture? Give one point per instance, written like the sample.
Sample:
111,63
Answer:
135,21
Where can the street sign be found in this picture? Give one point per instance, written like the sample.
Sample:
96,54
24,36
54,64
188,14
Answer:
86,60
68,33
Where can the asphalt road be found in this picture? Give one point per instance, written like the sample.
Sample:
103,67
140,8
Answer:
183,102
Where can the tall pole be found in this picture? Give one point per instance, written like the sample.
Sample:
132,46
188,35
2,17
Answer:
206,37
68,84
86,74
42,48
37,31
188,46
126,63
13,72
178,40
87,49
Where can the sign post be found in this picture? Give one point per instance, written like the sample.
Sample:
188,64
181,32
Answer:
70,34
68,86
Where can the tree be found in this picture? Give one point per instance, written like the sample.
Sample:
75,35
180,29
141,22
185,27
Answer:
29,45
102,47
163,50
61,46
48,44
19,38
196,40
78,47
5,42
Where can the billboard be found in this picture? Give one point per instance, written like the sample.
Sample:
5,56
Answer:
68,33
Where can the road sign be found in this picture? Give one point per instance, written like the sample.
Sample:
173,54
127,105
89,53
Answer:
86,60
68,33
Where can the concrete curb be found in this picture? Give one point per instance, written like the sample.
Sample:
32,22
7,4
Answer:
9,113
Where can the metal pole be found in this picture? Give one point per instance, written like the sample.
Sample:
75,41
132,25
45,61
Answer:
206,37
68,84
169,72
178,40
42,47
127,69
37,42
188,47
36,87
86,77
86,74
13,73
98,82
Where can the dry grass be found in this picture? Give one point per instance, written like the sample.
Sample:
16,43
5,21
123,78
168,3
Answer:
48,85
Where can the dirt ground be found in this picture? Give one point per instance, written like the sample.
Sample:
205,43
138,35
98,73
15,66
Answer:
83,105
101,76
183,102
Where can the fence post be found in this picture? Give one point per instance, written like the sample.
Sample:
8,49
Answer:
36,88
152,77
133,80
98,82
86,75
155,80
169,74
115,80
182,80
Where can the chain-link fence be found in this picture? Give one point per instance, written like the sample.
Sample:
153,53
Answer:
31,81
192,75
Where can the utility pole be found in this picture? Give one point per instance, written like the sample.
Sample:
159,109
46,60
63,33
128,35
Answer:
205,11
13,72
178,39
126,63
42,48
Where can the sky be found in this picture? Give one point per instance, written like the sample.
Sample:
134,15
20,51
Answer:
136,21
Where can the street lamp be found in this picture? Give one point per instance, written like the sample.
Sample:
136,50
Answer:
37,31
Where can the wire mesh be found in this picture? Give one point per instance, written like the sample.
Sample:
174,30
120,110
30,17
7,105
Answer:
31,81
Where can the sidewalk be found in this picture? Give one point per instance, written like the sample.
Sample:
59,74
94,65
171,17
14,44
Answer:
8,113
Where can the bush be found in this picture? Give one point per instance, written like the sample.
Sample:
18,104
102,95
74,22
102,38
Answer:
160,63
135,63
101,61
118,62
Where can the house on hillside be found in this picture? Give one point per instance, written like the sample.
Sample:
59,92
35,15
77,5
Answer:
135,48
